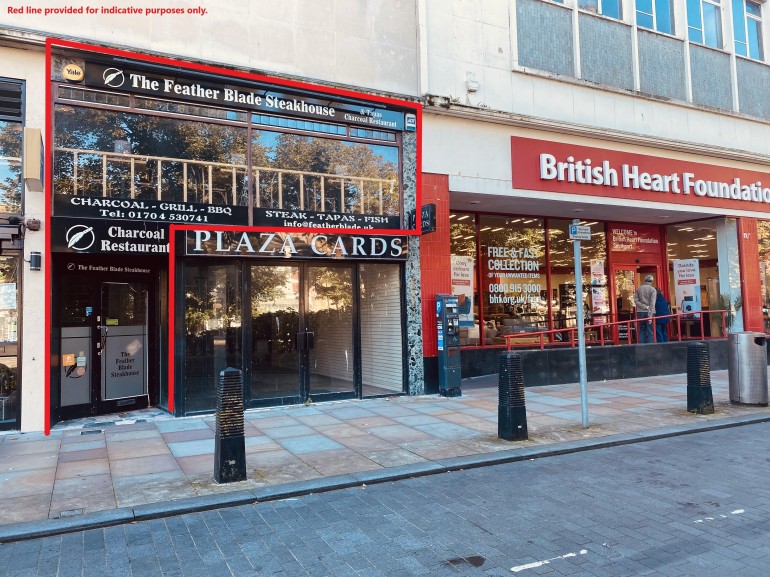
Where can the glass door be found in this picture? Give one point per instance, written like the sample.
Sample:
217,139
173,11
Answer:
624,283
275,323
330,320
123,345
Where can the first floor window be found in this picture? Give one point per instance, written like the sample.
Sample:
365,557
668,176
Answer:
609,8
704,22
747,26
655,15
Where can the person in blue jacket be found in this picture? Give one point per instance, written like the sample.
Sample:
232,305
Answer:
662,308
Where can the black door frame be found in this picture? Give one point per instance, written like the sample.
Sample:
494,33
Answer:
65,269
304,391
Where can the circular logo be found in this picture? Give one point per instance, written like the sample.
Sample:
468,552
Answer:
70,266
80,237
113,77
73,73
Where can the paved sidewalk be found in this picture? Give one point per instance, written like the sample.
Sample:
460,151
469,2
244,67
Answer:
148,465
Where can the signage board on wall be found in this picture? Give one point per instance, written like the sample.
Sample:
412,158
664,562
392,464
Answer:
636,238
94,236
543,165
687,286
462,287
255,96
287,245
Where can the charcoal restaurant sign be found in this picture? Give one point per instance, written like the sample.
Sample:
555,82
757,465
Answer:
295,245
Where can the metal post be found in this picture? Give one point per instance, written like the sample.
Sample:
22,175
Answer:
230,445
700,399
511,410
580,330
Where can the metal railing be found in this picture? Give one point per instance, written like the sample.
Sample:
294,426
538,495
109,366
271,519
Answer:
611,334
212,182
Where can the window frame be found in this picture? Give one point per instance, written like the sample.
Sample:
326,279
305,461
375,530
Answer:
655,17
583,5
701,28
743,18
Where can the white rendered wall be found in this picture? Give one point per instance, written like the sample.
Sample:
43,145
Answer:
366,43
30,66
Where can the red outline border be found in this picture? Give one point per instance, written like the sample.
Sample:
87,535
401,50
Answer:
415,107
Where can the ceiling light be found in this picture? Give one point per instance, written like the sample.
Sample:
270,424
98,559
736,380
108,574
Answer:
463,217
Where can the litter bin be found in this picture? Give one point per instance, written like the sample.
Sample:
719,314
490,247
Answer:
747,368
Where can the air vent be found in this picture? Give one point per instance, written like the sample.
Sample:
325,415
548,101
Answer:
10,100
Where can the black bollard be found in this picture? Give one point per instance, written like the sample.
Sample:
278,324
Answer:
230,446
699,397
512,410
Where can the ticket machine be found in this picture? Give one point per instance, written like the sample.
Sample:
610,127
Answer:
448,327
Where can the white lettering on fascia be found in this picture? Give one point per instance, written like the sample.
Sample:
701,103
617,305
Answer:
603,174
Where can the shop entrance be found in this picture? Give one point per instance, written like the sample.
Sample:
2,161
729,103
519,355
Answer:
302,332
106,357
625,279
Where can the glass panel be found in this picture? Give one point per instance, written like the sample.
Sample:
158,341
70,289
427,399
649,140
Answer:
755,39
212,330
593,263
644,6
330,318
590,5
644,20
9,393
664,16
349,175
275,323
694,22
763,234
611,8
712,25
739,29
120,154
464,267
513,277
382,345
10,167
754,9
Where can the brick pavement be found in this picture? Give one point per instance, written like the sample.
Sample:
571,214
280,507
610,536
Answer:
692,505
78,470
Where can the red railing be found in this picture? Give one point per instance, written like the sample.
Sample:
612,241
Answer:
614,329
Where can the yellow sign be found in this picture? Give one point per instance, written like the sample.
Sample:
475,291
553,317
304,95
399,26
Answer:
67,360
73,73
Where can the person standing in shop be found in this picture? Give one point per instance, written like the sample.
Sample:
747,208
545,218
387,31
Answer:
644,299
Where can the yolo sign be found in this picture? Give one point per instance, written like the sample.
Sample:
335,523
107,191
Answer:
577,232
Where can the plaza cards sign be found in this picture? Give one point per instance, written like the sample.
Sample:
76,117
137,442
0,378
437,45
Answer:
559,167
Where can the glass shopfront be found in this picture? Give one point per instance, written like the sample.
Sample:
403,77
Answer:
137,148
517,274
305,331
11,207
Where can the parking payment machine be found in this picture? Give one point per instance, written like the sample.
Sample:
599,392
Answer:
448,326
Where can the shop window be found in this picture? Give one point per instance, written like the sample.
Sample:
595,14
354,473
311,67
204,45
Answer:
655,15
10,167
747,28
694,275
513,277
9,392
115,154
704,22
212,325
763,234
593,274
464,268
299,172
611,8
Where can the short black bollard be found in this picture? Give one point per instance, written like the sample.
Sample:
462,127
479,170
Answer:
230,446
699,397
512,410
